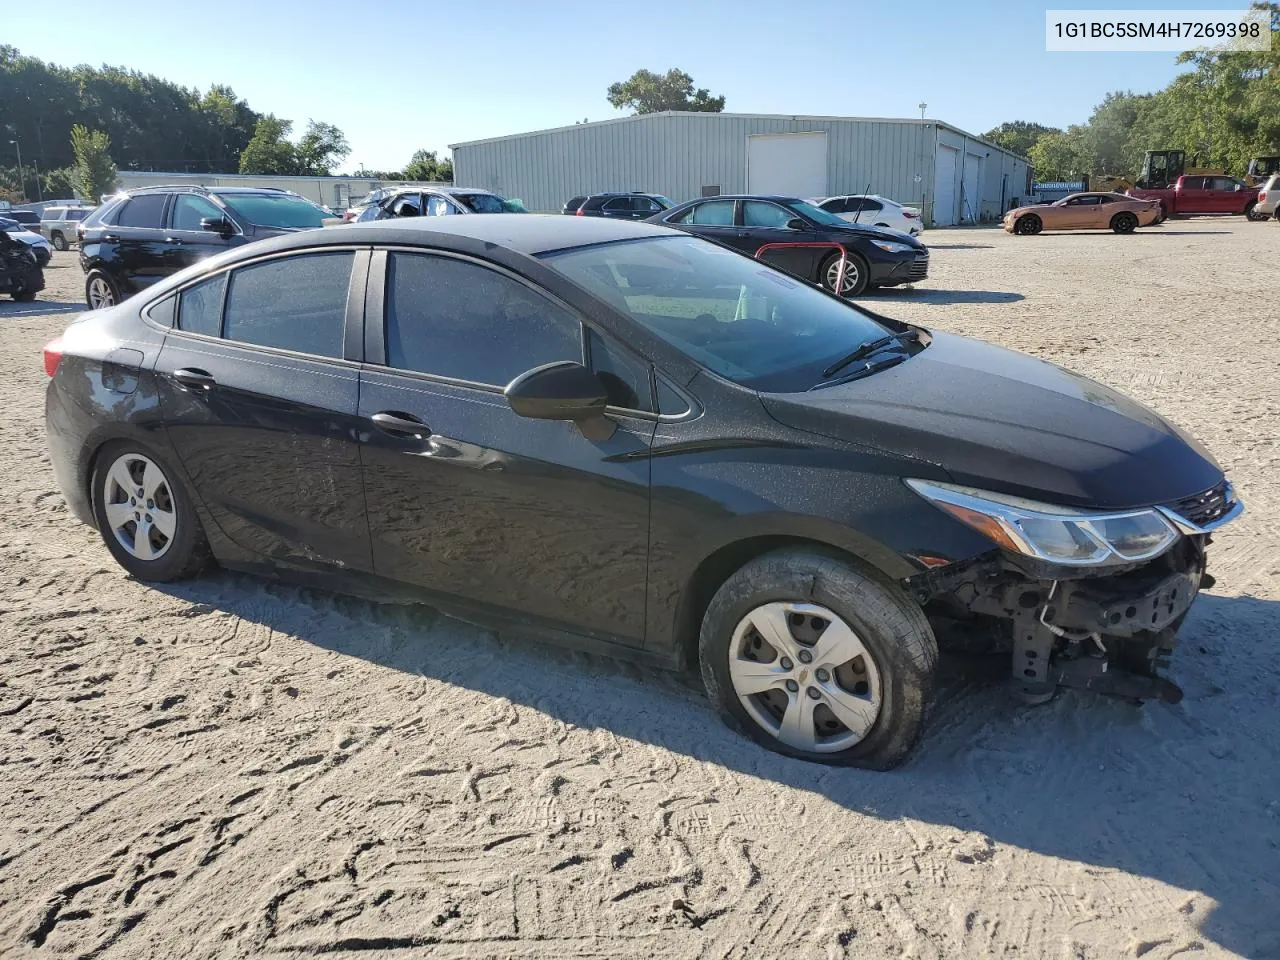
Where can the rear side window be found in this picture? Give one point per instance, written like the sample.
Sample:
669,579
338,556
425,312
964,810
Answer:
715,213
626,378
293,303
146,211
200,307
453,318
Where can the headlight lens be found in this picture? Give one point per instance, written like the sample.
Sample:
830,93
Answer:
1056,534
890,247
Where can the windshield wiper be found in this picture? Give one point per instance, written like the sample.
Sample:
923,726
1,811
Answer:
869,348
870,367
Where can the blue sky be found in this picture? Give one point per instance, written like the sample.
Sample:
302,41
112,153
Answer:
395,76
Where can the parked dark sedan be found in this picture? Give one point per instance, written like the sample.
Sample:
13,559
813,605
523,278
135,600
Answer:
635,205
876,257
616,436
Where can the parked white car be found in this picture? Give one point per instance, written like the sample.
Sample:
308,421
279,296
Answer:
1269,198
38,244
874,211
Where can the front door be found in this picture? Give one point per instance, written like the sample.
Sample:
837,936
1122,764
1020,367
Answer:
190,241
260,406
766,222
1224,195
469,500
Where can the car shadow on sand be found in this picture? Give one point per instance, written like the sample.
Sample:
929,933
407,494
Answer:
933,295
960,246
31,308
1183,794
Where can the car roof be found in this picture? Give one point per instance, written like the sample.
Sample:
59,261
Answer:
776,198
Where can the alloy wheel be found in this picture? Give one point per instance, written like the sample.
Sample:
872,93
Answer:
139,507
804,675
100,294
851,275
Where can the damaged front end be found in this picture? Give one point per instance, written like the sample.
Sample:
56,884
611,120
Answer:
1105,626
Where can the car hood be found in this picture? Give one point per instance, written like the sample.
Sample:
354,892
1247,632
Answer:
875,233
1007,422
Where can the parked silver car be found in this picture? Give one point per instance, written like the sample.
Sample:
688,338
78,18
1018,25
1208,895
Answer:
437,202
58,224
1269,198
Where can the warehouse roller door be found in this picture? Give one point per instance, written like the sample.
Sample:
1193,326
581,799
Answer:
789,164
944,187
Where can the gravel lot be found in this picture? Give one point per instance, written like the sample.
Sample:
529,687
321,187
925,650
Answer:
233,768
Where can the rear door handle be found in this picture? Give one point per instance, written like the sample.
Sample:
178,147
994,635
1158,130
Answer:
111,237
173,240
195,378
401,425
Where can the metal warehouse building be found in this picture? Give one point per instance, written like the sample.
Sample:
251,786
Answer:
953,176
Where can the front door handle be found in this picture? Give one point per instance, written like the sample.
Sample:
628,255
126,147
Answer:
195,378
401,425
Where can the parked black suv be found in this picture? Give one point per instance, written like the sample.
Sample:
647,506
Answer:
144,235
622,206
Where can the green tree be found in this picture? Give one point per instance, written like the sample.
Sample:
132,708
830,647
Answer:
320,147
60,183
648,92
1058,156
270,150
94,174
1018,136
425,166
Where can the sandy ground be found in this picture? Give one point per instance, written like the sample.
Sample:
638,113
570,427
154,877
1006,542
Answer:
232,768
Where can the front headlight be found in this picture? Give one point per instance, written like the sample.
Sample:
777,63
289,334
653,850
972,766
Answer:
1056,534
890,247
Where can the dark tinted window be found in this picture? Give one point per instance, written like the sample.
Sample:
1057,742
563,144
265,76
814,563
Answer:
620,205
1193,183
144,211
294,303
575,203
1221,183
1106,199
457,319
625,377
200,307
863,205
670,403
189,209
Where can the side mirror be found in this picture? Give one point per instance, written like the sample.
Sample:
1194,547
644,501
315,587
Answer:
217,225
795,223
564,390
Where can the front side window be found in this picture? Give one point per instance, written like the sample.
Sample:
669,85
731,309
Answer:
189,209
481,202
863,205
292,303
458,319
1224,183
737,317
282,211
620,205
1193,183
77,214
758,213
439,207
146,211
200,307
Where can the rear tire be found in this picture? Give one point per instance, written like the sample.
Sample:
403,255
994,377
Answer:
1124,222
58,240
1251,213
24,296
1028,225
156,535
861,694
100,291
857,274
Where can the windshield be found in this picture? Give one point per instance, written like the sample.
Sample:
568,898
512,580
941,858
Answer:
481,202
744,320
280,210
817,214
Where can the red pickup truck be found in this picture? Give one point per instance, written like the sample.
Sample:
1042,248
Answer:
1202,194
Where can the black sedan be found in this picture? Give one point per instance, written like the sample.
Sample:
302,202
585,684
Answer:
615,436
875,257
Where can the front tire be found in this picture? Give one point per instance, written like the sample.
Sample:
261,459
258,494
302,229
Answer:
100,291
815,659
145,517
856,275
1124,223
1028,225
59,241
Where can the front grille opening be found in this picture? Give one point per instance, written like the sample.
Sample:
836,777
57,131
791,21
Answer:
1205,507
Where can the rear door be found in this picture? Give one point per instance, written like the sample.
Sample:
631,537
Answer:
192,243
469,500
1193,196
138,235
259,387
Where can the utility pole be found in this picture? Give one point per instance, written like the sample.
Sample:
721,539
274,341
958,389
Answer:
923,106
21,179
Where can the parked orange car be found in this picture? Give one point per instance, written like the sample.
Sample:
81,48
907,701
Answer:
1084,211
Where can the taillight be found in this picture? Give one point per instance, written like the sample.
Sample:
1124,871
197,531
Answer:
1262,196
579,213
910,216
52,356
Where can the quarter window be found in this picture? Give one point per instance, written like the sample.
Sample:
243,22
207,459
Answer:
200,307
626,379
189,209
453,318
293,303
146,211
